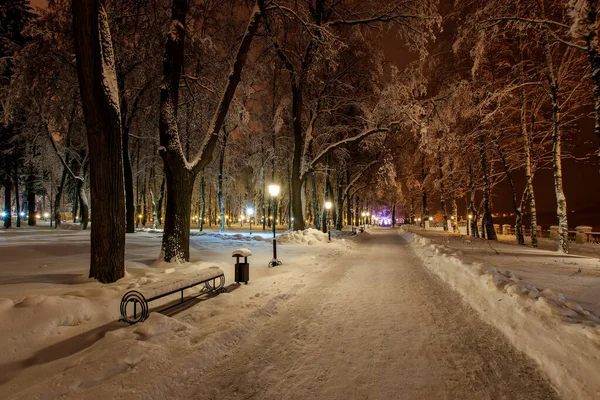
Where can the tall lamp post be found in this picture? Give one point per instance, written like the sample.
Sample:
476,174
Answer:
274,192
328,208
368,218
250,213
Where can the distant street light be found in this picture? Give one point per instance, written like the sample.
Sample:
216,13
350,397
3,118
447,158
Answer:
250,213
274,192
292,223
328,208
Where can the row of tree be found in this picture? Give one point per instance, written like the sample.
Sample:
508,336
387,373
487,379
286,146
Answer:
183,111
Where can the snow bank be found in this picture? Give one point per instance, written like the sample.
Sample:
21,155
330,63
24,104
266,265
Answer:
308,236
560,335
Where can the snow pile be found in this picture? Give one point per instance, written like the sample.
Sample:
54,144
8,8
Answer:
560,335
308,236
37,320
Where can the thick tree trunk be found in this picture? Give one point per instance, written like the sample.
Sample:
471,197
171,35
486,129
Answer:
394,215
176,237
100,99
181,173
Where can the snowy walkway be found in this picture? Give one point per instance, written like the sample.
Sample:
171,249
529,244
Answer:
378,326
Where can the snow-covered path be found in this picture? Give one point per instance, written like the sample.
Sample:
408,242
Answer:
376,326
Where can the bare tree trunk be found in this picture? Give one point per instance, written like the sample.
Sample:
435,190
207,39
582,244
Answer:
454,205
442,195
340,203
488,221
159,207
202,203
180,172
317,221
425,211
592,46
472,221
297,156
220,184
7,202
561,200
155,211
31,198
127,171
17,199
100,99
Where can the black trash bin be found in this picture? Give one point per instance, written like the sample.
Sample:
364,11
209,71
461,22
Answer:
242,269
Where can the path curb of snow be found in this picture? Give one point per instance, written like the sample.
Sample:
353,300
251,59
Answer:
561,336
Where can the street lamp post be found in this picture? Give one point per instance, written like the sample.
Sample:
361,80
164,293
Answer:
274,192
469,224
328,208
250,213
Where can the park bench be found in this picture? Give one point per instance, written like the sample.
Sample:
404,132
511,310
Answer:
213,279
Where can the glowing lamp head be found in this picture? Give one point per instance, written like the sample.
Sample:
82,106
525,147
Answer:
38,216
363,214
3,214
292,219
249,211
431,218
470,216
368,214
328,205
46,215
274,190
22,214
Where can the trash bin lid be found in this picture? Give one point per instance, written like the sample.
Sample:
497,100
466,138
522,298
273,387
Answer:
241,253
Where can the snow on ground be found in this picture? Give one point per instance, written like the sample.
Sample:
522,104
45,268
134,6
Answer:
308,236
554,330
56,321
338,320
